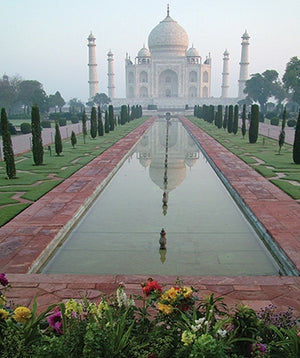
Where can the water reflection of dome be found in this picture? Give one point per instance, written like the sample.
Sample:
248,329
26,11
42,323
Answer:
190,161
176,173
173,134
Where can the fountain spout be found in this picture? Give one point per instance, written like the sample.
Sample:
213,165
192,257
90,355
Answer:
163,239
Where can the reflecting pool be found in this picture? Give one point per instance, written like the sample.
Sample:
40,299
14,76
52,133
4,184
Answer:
165,183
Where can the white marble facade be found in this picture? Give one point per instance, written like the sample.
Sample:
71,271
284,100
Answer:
168,72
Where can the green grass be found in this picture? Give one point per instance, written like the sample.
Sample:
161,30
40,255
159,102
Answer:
265,150
35,181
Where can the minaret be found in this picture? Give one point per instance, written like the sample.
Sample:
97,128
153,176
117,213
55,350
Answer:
111,75
244,64
225,75
93,81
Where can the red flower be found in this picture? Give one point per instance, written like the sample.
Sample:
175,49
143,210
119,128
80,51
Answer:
151,286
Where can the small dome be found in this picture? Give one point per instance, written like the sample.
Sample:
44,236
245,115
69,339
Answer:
168,37
226,53
192,52
245,35
91,36
110,53
144,52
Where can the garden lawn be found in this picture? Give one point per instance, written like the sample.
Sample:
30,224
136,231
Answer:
32,182
263,156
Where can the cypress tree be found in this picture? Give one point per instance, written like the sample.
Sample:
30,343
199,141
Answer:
296,145
225,121
93,123
244,120
230,119
211,114
37,143
106,123
133,112
282,132
254,123
8,153
57,139
84,130
111,117
235,119
219,116
123,114
73,139
100,123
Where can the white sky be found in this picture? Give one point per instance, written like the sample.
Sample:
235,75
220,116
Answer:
46,40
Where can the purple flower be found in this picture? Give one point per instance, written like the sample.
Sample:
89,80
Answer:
259,348
55,321
3,279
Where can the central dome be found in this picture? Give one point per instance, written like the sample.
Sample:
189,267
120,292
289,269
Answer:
168,38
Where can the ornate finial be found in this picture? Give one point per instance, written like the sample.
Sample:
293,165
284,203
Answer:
168,10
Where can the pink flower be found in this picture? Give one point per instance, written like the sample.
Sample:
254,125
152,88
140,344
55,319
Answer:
259,348
3,279
55,321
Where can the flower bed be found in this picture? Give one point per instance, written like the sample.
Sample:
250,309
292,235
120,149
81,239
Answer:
160,323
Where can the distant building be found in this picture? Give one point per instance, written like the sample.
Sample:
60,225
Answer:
168,73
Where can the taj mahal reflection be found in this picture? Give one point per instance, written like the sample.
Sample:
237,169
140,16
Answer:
167,151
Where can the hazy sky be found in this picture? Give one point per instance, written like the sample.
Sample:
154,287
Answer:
46,40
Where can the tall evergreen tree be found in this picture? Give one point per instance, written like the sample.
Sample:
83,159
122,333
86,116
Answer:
123,114
296,145
235,119
282,132
8,153
218,121
230,119
244,120
100,123
225,120
73,139
57,139
111,117
254,123
93,123
84,129
106,122
37,143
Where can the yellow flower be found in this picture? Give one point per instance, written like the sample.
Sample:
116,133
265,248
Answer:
187,291
188,338
2,300
22,314
73,307
166,309
103,306
173,293
3,314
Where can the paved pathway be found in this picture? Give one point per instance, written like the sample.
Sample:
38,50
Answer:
30,236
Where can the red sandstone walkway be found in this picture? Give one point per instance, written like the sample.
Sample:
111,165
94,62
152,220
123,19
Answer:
26,238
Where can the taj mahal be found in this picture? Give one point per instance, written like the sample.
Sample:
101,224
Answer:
168,73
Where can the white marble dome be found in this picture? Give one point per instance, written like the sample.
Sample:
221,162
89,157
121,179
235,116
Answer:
192,52
169,38
144,52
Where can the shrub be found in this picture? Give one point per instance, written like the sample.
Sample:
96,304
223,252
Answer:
74,119
270,115
152,106
62,122
291,122
25,128
45,123
274,121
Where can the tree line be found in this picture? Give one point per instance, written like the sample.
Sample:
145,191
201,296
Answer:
97,127
227,117
261,87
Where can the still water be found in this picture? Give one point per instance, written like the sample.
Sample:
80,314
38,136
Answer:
165,183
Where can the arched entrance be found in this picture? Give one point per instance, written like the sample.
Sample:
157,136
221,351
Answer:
168,84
